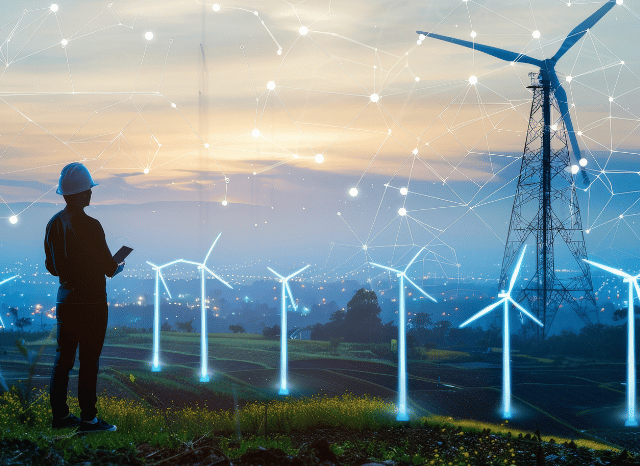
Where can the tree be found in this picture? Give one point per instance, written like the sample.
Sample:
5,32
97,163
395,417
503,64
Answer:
19,322
165,327
237,328
621,314
362,319
421,320
337,316
186,326
271,333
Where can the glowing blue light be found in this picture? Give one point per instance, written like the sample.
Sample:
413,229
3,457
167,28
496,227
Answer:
402,414
284,390
2,283
631,341
506,337
155,366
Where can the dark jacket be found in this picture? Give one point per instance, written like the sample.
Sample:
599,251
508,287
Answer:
77,252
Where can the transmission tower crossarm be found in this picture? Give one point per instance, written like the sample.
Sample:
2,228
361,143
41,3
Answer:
496,52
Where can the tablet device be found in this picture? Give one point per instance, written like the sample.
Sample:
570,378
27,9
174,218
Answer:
121,255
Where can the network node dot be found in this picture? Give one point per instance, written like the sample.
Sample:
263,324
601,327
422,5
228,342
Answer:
621,215
422,37
473,34
554,127
583,162
619,2
579,133
54,7
417,79
255,13
215,7
14,219
575,169
353,192
536,34
419,42
622,62
296,156
610,99
587,231
374,97
255,133
255,173
224,203
279,52
568,79
473,80
146,171
271,85
148,35
414,151
402,211
303,30
339,214
365,247
173,105
319,158
206,145
404,191
64,42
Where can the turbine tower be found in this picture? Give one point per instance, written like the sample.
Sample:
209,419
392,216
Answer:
545,187
155,367
284,390
204,353
402,331
631,341
506,337
2,283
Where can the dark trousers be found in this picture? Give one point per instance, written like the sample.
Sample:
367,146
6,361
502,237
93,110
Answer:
83,326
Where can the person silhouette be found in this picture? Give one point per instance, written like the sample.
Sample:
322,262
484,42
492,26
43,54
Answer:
77,252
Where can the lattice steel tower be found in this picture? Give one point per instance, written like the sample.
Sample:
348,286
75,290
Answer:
545,206
546,210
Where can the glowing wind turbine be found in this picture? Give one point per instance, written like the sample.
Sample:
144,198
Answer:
631,341
402,331
204,373
283,326
156,312
2,283
506,337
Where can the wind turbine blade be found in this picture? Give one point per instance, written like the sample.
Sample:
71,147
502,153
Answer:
276,273
164,283
171,263
483,312
525,312
384,267
296,273
293,302
620,273
211,248
581,29
561,98
418,288
216,277
8,279
411,261
152,265
515,272
505,55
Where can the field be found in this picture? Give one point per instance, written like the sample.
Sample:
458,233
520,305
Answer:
572,400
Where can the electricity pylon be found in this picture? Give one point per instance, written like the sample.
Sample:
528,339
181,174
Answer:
545,206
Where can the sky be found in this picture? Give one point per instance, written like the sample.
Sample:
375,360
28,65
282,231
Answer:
292,127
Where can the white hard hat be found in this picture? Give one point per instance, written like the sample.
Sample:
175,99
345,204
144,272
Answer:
74,179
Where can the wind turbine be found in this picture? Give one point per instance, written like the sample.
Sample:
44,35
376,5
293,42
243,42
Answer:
283,325
204,373
631,341
2,283
506,337
155,367
548,76
402,331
